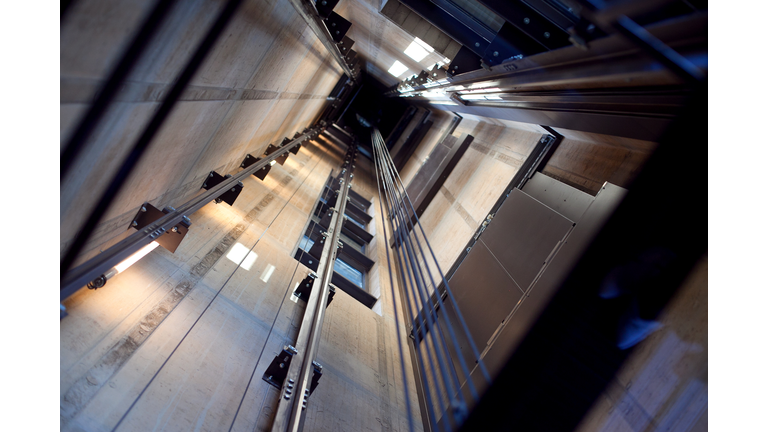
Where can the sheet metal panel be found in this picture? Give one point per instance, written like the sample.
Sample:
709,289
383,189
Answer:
522,235
485,294
517,326
566,200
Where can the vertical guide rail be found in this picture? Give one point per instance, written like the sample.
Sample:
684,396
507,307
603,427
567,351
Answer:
295,392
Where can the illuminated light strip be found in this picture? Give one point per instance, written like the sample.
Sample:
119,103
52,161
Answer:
131,260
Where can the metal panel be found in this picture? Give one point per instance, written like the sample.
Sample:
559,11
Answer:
337,26
485,294
560,265
529,22
566,200
325,7
508,43
523,234
465,60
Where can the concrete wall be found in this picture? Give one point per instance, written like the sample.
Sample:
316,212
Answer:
583,160
664,384
171,343
267,77
499,148
187,329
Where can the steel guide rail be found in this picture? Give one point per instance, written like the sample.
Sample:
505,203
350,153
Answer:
291,407
574,65
396,198
308,12
91,269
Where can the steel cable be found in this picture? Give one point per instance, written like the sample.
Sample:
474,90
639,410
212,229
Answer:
427,393
396,198
449,293
451,384
394,308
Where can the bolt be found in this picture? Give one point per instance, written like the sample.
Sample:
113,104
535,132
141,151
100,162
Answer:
134,223
287,397
337,32
282,365
288,391
527,20
495,53
291,381
233,189
175,229
467,251
143,208
323,2
456,66
477,44
333,24
546,34
210,175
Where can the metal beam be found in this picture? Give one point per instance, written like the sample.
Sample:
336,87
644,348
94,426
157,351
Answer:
308,12
93,268
529,22
612,61
104,97
289,416
449,25
473,23
613,88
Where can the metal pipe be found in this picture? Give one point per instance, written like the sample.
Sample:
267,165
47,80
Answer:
290,410
141,145
124,66
93,268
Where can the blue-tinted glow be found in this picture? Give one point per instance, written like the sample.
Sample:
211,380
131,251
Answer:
354,221
306,244
350,273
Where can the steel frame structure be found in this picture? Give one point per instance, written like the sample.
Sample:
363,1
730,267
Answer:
614,88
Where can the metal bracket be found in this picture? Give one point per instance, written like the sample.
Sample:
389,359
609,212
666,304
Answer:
305,288
230,195
271,149
250,160
169,240
337,26
278,369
